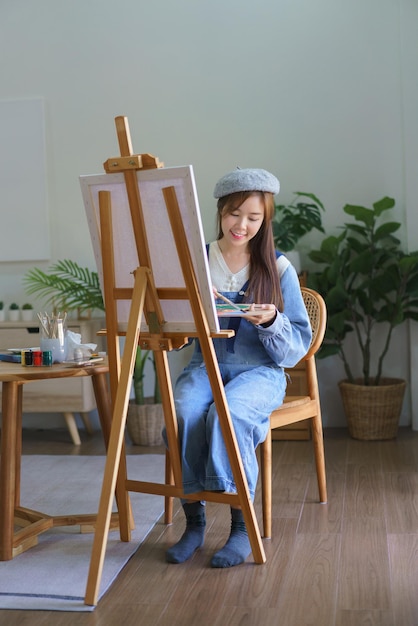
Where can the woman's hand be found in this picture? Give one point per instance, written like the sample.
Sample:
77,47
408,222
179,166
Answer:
263,314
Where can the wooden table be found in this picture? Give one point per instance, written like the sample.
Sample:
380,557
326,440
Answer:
31,523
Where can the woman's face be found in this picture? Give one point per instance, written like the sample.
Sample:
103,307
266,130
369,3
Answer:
242,223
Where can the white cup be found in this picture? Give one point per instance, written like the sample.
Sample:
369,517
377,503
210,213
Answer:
58,348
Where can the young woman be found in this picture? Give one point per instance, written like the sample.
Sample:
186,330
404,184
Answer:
275,334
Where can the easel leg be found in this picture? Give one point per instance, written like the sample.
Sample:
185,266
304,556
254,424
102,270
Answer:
105,415
116,441
209,356
243,494
168,500
106,226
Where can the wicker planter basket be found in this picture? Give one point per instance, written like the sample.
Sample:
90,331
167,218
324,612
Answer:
145,423
373,412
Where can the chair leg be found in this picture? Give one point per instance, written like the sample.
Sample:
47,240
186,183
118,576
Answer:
266,480
318,441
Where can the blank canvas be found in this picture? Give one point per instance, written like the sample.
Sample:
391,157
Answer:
166,267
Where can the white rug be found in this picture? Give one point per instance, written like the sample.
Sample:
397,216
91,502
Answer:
53,574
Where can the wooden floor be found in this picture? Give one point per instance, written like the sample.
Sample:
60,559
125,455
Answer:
351,562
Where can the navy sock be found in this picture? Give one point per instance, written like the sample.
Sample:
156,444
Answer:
193,536
238,547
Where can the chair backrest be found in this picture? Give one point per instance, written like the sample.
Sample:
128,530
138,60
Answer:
317,311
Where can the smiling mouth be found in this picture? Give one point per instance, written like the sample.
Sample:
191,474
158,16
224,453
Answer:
237,234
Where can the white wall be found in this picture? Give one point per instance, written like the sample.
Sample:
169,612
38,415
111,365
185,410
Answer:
322,92
409,56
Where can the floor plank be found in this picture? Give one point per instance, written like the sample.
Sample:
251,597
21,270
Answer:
403,553
364,574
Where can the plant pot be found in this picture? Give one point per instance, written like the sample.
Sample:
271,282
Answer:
27,315
372,411
14,315
145,423
2,315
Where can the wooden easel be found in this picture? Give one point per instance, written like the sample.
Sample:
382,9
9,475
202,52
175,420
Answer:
145,299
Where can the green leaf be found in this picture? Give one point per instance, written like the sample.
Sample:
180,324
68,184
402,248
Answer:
386,229
293,221
66,283
311,196
383,205
327,350
360,213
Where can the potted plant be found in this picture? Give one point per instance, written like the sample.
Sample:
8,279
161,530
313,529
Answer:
14,312
1,311
68,286
27,312
145,419
292,221
367,281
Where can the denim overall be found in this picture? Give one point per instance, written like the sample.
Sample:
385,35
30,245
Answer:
251,367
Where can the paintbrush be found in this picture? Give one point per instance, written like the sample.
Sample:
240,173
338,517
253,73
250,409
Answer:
225,299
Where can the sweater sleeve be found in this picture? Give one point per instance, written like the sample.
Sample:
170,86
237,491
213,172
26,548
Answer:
287,340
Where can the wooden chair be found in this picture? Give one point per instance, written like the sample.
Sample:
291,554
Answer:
293,409
297,408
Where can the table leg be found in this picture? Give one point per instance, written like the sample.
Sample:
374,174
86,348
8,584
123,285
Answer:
18,437
8,465
104,409
72,427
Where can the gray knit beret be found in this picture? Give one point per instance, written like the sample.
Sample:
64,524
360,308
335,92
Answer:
246,180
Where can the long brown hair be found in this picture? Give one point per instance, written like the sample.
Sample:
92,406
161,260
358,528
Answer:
264,283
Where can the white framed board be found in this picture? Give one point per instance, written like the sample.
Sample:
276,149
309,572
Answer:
166,269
